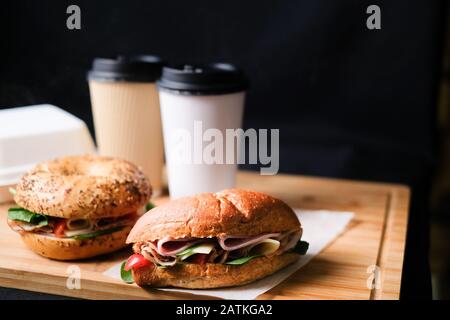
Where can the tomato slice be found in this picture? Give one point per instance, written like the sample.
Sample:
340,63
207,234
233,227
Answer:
59,228
136,261
198,258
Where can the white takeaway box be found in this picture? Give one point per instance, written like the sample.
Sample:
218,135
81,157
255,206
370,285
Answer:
32,134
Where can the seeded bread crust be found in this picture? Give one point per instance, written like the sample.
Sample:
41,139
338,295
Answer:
85,187
229,212
71,249
212,275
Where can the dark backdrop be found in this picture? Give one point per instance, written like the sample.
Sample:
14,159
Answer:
349,102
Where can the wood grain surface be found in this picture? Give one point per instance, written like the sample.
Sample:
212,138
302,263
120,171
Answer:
374,240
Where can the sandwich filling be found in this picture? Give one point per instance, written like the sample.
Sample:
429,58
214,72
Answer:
232,250
23,220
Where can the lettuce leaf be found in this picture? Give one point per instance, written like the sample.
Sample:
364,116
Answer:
149,206
301,247
126,276
203,248
21,214
241,261
96,233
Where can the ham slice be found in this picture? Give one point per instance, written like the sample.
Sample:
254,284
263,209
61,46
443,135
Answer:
152,255
25,226
231,243
164,252
292,239
170,247
223,257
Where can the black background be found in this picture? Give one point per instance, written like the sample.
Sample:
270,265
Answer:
349,102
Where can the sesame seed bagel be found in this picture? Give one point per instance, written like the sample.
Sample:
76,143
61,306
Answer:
85,187
229,212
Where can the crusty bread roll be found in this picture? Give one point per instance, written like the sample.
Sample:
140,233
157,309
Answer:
71,249
232,212
85,187
212,275
229,212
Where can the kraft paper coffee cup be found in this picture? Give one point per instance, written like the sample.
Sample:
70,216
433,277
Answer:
196,102
126,113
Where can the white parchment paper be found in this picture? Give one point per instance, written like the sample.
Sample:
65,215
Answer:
320,228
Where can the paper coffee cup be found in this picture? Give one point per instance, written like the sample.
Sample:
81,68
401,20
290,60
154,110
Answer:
126,113
198,105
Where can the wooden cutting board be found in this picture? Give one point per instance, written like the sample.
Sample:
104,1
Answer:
374,240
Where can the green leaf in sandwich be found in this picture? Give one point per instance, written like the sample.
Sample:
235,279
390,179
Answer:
301,247
263,248
149,206
96,233
24,215
204,248
126,275
240,261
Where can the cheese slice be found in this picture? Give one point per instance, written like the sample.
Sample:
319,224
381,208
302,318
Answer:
72,233
264,248
204,248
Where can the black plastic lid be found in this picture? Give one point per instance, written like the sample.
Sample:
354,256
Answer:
216,78
137,68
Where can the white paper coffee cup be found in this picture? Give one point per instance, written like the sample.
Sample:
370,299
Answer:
198,106
126,113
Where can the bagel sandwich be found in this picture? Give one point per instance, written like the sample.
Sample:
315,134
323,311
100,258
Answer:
78,207
213,240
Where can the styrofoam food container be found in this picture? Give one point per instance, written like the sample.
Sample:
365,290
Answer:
32,134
